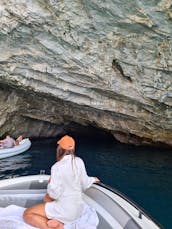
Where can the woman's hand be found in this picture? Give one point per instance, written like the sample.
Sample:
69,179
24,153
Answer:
96,180
47,198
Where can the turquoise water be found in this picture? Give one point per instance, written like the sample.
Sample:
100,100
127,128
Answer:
142,173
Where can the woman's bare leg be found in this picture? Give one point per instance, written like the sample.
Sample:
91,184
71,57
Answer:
36,217
51,222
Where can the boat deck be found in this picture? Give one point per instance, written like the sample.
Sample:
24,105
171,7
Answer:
113,211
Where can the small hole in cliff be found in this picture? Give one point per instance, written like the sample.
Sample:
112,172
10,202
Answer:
116,66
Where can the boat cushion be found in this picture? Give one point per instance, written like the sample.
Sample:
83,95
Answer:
22,198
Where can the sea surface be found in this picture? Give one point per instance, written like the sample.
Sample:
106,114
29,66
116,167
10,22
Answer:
144,174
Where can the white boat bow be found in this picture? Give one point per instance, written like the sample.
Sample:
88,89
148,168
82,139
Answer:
114,210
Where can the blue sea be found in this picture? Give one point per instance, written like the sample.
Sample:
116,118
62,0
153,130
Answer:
144,174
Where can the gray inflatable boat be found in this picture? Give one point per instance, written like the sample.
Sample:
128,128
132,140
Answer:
114,209
22,147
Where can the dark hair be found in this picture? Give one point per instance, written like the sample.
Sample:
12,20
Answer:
62,152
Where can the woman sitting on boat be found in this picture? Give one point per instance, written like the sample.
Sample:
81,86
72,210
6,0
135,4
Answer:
63,201
9,142
18,140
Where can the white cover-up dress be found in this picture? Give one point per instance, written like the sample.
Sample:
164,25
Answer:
68,181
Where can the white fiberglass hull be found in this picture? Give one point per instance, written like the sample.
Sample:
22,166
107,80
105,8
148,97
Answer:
114,210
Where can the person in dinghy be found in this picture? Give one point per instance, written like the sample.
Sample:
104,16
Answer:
63,202
9,142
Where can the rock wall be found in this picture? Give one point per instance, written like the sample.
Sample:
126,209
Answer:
106,64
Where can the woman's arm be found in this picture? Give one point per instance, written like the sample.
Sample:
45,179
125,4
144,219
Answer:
54,188
47,198
86,181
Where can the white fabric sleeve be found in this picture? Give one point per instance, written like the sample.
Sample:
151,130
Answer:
54,188
86,181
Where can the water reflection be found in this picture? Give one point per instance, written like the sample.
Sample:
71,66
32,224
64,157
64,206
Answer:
13,166
40,156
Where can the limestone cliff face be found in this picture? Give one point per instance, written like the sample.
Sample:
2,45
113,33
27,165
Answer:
102,63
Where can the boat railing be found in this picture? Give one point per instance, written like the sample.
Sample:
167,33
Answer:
141,211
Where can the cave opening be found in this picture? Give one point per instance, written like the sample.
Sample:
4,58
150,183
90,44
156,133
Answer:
78,131
89,132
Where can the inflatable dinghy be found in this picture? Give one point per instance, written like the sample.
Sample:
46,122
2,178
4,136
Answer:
22,147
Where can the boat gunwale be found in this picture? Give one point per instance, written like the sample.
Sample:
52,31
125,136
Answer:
141,210
45,177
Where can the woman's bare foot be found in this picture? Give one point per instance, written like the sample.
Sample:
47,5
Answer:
54,224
